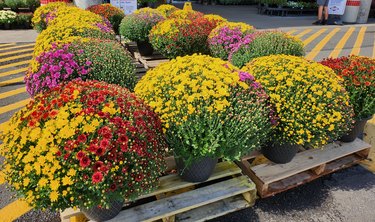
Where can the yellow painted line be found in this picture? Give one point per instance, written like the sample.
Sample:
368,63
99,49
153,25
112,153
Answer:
18,46
315,51
2,179
340,45
16,57
14,210
300,35
16,51
358,43
290,32
2,125
2,74
7,44
14,106
12,81
15,64
12,92
313,36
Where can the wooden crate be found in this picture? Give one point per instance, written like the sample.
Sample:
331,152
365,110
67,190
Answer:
271,178
226,191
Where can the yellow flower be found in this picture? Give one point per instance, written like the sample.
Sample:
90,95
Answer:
54,195
67,180
54,185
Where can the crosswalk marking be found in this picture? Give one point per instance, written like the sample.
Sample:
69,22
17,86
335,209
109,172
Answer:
290,32
16,57
2,180
313,36
12,92
16,52
3,74
304,32
6,44
14,210
13,106
340,45
15,64
314,52
17,47
12,81
357,45
2,125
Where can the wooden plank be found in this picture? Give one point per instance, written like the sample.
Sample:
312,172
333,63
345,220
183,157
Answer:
213,210
154,63
271,172
68,213
186,201
304,177
173,182
246,169
251,155
319,169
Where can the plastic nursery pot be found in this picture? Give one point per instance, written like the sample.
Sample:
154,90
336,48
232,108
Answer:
357,130
102,214
280,153
198,171
145,48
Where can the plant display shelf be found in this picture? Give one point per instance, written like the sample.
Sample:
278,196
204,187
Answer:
226,191
148,61
308,165
139,70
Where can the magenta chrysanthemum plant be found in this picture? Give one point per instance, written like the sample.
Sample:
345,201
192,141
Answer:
58,64
225,36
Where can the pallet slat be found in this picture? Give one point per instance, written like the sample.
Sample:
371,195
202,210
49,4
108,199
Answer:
271,172
174,182
214,210
186,201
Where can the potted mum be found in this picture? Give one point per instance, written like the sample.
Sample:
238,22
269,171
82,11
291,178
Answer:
222,38
167,9
358,74
7,18
89,145
136,27
311,104
45,14
208,110
102,60
263,44
110,12
180,37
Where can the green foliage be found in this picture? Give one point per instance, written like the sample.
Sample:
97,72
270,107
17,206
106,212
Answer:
115,21
24,21
111,63
15,4
267,43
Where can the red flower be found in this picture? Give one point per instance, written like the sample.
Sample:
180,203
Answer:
84,162
97,177
139,177
82,138
53,113
80,155
100,151
98,165
104,143
113,187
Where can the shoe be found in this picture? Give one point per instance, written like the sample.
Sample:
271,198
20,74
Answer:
318,22
324,22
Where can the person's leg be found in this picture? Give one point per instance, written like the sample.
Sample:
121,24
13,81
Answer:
320,15
326,13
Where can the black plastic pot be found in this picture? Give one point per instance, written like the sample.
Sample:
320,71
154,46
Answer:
357,130
102,214
145,48
198,171
280,153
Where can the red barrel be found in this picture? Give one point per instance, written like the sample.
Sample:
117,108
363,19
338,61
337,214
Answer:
44,2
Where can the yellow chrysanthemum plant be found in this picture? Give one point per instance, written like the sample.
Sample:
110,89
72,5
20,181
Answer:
45,13
83,144
311,104
167,9
207,107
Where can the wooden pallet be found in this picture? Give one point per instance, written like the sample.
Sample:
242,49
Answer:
147,61
224,192
271,178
